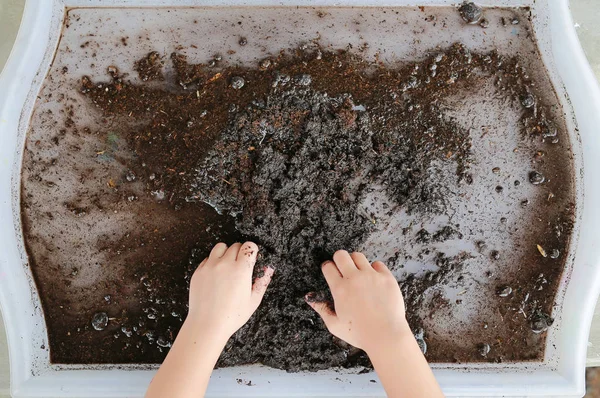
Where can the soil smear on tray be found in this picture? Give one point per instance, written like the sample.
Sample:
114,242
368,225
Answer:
290,154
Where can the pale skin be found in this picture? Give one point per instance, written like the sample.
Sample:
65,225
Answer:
367,312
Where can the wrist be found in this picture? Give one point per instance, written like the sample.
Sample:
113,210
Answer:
205,333
396,338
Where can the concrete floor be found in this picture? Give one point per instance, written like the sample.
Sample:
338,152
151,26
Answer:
586,14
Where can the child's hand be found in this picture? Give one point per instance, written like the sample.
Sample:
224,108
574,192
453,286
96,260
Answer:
222,296
369,309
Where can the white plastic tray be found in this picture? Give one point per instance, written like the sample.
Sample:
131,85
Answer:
560,375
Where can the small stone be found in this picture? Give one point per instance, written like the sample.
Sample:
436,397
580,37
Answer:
499,189
504,291
127,331
503,220
237,82
524,202
515,21
130,177
549,130
107,298
527,100
163,342
484,23
517,183
100,320
496,170
265,64
495,255
540,322
243,41
112,70
536,178
470,12
554,253
483,349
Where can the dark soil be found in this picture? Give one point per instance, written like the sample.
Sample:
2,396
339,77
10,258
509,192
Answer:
285,154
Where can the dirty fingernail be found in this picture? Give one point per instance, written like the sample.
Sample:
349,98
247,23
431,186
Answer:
310,297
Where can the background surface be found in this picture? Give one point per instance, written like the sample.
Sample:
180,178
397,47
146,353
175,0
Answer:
586,15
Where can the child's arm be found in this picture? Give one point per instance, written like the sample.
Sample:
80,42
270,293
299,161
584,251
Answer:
369,314
222,299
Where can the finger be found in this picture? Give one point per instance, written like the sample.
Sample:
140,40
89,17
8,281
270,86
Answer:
331,273
247,254
325,312
344,263
260,287
360,261
232,253
381,267
218,251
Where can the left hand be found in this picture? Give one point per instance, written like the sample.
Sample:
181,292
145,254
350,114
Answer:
222,295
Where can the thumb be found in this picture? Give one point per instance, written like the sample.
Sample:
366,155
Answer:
260,287
324,310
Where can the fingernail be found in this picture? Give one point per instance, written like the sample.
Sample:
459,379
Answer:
325,262
268,268
310,297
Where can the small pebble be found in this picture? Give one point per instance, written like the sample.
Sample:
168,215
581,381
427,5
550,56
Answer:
540,322
100,320
265,64
470,12
499,189
527,100
517,183
549,130
536,178
554,253
503,220
484,23
162,342
495,255
483,349
524,202
496,170
504,291
127,331
112,70
130,177
243,41
237,82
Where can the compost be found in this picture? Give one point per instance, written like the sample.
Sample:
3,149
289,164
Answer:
306,152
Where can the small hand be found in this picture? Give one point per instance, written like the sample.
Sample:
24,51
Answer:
369,310
222,295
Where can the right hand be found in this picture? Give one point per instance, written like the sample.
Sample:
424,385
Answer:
368,310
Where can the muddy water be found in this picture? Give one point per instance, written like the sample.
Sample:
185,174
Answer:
100,240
